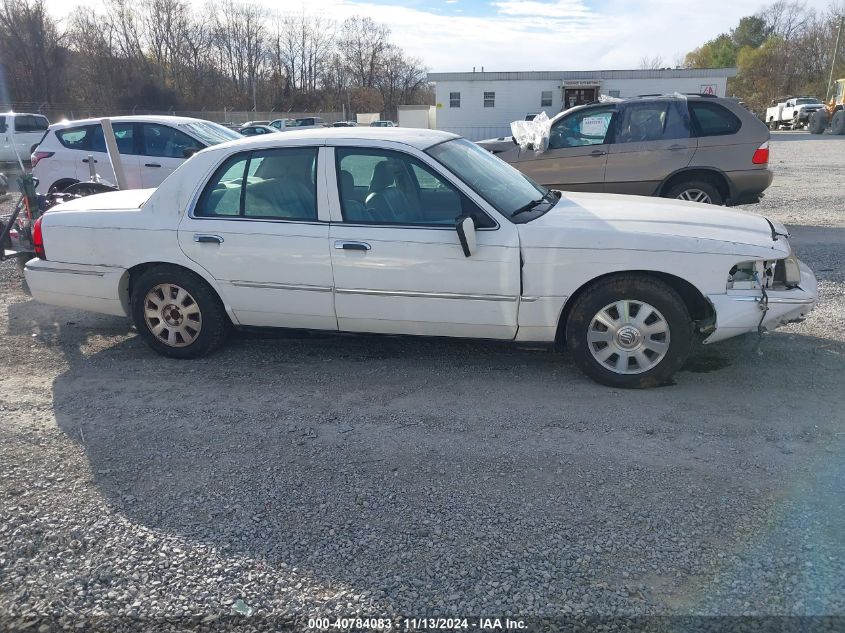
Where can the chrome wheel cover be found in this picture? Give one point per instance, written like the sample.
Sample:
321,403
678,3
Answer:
172,315
695,195
628,337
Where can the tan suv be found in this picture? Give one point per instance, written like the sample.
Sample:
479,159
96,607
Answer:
695,147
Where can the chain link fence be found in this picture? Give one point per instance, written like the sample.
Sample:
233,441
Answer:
57,112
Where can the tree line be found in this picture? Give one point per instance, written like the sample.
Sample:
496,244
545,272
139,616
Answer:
169,54
785,49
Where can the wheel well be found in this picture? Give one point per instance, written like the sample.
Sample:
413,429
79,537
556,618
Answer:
136,271
60,184
711,175
700,309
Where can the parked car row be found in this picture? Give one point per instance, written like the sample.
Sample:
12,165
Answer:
698,148
410,231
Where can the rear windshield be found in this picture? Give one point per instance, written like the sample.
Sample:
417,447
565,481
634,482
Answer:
711,119
31,123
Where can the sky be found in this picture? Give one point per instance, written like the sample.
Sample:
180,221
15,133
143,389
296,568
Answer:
500,35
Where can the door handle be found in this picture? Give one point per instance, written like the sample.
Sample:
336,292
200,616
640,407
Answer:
352,246
597,152
85,160
151,165
208,239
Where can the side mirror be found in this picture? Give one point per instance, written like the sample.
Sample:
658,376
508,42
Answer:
465,226
190,151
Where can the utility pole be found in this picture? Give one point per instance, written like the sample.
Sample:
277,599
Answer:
835,55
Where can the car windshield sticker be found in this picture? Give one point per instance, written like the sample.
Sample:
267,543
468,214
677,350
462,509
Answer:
594,126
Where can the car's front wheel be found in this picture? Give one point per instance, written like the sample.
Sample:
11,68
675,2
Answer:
629,331
177,313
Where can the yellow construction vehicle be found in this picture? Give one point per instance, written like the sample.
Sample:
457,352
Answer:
833,113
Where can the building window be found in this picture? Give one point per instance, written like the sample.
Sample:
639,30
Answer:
546,99
454,99
489,99
613,93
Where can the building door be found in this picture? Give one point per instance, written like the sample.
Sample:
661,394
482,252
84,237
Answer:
578,96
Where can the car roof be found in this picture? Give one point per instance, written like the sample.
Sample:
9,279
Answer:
140,118
415,137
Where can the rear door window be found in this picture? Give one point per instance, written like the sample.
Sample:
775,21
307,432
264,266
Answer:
711,119
653,121
31,123
124,134
276,184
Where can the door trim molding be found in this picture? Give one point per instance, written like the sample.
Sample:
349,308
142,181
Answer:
424,295
275,286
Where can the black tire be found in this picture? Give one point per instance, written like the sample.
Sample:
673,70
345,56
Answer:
773,125
214,324
636,289
837,123
60,185
818,122
706,187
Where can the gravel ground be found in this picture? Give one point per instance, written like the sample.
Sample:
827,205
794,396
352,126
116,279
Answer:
386,476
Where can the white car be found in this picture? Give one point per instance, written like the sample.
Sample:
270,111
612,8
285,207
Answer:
383,124
19,133
150,147
411,231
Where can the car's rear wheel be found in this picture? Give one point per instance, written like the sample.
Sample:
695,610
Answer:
818,122
701,190
177,313
837,123
630,331
773,125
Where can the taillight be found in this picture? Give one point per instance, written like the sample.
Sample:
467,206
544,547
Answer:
37,156
761,155
38,239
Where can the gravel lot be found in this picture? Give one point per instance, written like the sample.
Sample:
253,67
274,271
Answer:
387,476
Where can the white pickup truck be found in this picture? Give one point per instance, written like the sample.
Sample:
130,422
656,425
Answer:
19,134
795,112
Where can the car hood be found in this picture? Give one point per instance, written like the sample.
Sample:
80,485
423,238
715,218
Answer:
126,199
633,222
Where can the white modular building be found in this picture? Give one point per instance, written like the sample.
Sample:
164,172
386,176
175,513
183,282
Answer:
481,105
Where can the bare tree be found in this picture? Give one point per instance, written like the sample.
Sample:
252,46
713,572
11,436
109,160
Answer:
363,43
30,51
651,63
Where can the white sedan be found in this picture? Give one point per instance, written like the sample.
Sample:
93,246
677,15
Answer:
408,231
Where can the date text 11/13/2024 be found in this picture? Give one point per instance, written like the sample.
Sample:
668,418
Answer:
417,624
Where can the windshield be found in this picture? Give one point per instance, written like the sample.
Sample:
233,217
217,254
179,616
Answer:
509,191
803,101
210,133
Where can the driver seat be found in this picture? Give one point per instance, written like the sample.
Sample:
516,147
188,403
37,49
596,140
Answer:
385,200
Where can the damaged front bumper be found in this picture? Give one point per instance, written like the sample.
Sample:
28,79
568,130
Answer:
739,311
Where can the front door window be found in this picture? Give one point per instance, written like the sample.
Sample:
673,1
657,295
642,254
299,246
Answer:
384,187
586,127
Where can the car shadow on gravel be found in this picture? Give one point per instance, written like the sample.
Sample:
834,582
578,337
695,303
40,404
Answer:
423,471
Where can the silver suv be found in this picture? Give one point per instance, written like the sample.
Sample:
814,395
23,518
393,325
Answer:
694,147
